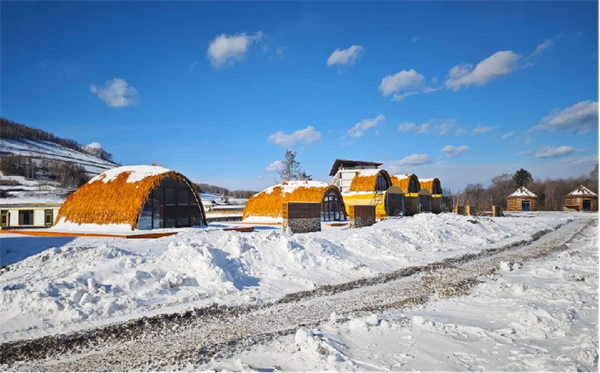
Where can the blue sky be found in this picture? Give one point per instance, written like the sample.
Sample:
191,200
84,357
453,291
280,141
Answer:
462,91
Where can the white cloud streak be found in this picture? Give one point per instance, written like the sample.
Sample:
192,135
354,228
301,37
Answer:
454,151
498,64
307,136
345,56
580,118
359,129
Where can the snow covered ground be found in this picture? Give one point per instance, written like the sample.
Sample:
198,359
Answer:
536,316
62,284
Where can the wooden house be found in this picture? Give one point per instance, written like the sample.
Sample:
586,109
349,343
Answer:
522,200
582,199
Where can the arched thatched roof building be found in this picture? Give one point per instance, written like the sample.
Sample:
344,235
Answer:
434,186
369,187
130,197
267,206
522,200
582,199
410,185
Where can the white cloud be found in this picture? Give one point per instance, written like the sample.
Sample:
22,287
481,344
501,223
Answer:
401,81
539,50
345,56
481,129
307,136
555,152
360,127
498,64
507,135
432,126
526,152
414,39
411,160
192,66
275,166
117,93
225,50
454,151
589,160
460,132
580,118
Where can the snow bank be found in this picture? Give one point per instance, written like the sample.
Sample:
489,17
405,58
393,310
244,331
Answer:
93,280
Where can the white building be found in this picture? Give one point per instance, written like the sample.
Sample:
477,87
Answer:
343,171
28,215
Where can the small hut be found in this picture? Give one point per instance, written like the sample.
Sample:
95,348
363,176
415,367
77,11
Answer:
435,189
267,206
369,187
411,187
133,197
582,199
522,200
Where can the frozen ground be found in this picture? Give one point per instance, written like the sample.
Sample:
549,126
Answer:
536,316
526,306
64,284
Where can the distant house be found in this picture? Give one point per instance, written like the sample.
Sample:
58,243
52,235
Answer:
410,185
28,214
522,200
344,170
582,199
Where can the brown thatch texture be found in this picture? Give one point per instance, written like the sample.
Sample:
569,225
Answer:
428,184
114,202
403,183
270,205
366,183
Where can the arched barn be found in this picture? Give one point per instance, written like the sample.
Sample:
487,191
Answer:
369,187
582,199
522,200
133,197
267,206
435,188
411,186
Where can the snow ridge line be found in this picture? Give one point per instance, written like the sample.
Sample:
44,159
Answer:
146,327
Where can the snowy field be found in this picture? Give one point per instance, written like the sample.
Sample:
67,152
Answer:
62,284
536,316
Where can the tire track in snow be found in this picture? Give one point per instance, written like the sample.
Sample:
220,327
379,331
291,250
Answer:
171,341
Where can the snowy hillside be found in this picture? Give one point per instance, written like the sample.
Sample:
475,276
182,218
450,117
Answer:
53,151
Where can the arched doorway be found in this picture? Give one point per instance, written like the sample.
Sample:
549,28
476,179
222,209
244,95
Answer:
332,206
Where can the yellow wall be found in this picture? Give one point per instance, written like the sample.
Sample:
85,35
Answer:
437,203
365,199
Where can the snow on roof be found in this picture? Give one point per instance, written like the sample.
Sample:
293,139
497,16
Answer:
138,173
368,172
582,191
426,180
522,192
401,177
288,187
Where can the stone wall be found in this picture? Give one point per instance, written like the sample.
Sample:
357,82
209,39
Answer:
302,225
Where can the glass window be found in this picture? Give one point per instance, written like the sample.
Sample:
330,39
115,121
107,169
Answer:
25,217
381,183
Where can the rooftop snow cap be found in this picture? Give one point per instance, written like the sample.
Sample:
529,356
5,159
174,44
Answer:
522,192
366,180
117,196
269,202
434,186
582,191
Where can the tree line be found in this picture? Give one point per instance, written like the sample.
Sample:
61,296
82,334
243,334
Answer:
214,189
15,131
550,193
67,174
